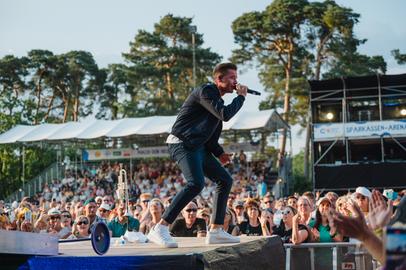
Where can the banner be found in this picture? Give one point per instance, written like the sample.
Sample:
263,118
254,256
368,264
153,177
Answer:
359,129
125,153
237,147
156,151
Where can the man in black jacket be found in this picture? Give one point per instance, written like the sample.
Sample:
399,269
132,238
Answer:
193,144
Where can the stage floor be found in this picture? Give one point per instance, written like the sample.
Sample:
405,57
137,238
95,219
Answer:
186,245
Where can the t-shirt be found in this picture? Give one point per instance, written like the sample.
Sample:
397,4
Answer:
247,229
286,235
119,229
324,232
179,229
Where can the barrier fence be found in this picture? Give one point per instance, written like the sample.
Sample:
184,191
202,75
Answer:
335,256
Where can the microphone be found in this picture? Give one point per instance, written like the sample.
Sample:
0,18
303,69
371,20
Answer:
253,92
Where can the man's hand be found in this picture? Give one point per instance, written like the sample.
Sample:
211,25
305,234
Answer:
225,158
241,90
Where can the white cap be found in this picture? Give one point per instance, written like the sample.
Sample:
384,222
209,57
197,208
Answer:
322,199
54,211
105,206
363,191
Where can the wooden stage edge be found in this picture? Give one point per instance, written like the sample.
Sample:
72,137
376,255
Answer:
186,246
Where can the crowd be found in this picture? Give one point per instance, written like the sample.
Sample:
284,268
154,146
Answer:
70,207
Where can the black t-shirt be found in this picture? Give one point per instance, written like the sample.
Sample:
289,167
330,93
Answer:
286,235
179,229
246,228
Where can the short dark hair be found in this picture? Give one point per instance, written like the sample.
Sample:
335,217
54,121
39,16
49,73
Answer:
222,68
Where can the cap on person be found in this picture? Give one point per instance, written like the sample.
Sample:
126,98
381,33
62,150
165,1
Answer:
105,206
363,191
91,200
323,199
98,198
239,204
54,212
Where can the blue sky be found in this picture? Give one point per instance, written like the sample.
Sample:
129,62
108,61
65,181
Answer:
105,28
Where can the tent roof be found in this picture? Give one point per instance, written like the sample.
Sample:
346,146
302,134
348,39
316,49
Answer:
268,120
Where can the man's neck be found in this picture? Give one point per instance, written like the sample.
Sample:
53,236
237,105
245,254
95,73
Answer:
121,219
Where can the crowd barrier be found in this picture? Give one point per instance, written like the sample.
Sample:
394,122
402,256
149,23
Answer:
334,256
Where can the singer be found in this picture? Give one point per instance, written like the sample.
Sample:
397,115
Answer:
193,144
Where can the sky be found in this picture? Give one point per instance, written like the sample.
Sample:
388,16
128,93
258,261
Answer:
105,28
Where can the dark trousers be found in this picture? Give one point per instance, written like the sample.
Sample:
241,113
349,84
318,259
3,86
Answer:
195,164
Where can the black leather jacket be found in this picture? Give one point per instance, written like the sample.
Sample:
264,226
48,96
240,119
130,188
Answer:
199,121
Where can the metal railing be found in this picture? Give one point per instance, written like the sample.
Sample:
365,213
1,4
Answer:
350,255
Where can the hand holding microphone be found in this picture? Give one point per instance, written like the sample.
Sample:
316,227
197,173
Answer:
243,90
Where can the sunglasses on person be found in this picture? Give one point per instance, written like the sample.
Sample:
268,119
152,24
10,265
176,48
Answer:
268,202
191,210
85,222
145,201
286,212
103,210
66,216
54,217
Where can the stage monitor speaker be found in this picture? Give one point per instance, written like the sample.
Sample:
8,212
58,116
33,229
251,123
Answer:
265,253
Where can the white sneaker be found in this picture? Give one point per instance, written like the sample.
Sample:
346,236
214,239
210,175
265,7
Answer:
159,234
219,236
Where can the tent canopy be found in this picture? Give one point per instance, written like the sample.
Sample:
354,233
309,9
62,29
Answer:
268,120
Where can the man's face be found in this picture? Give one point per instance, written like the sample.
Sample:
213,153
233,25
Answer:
121,209
189,213
54,220
91,209
228,82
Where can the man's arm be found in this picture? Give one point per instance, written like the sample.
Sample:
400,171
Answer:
211,100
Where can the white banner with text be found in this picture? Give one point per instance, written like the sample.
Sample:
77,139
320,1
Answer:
359,129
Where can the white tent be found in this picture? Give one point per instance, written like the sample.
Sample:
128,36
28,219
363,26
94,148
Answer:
268,120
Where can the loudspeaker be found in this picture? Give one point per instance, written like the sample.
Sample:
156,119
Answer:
266,253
